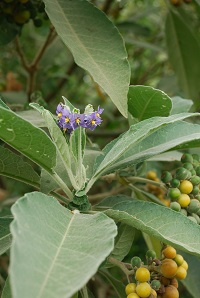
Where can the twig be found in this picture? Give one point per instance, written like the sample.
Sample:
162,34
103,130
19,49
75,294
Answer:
122,266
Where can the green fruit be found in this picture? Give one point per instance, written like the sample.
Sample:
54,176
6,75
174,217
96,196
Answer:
183,211
175,206
195,190
194,206
188,166
181,173
166,177
192,219
195,157
195,180
37,22
196,217
197,197
136,262
195,164
155,284
198,170
174,193
193,172
175,182
186,157
150,254
22,17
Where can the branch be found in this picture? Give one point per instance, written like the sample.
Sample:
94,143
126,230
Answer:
21,54
122,266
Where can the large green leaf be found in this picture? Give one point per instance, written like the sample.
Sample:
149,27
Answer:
180,105
145,102
184,47
13,166
120,152
117,285
60,247
192,281
7,289
160,222
27,139
95,44
5,235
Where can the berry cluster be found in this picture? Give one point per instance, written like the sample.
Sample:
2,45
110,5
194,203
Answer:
70,120
159,277
179,2
20,12
184,187
156,190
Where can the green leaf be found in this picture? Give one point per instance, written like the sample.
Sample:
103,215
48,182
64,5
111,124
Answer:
27,139
111,201
95,44
7,290
123,241
5,235
128,149
89,160
60,247
192,282
8,31
184,47
3,105
117,285
180,105
160,222
13,166
32,117
76,137
145,102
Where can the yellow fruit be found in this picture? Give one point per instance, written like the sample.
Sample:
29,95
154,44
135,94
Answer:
133,295
181,273
142,274
169,252
185,265
168,268
174,282
153,292
186,187
130,288
151,175
184,200
143,289
22,17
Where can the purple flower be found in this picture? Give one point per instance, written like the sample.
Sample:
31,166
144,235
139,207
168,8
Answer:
92,120
77,120
59,109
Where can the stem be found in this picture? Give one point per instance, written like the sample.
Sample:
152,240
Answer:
59,197
145,180
85,292
80,159
62,185
122,266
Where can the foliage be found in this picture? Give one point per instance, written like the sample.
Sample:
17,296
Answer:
73,231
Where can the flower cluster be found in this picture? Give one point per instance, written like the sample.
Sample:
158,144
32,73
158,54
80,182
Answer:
69,121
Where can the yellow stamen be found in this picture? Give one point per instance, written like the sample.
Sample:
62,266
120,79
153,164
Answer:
59,114
93,122
77,120
67,119
97,115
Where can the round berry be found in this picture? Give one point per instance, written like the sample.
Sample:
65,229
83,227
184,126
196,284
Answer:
169,252
155,284
185,265
130,288
168,268
186,157
175,206
174,193
178,259
174,282
198,170
194,206
153,292
195,190
181,173
143,289
133,295
188,166
136,262
186,187
150,254
195,157
151,175
175,182
142,274
195,180
166,177
184,200
184,212
192,219
181,273
196,217
170,292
